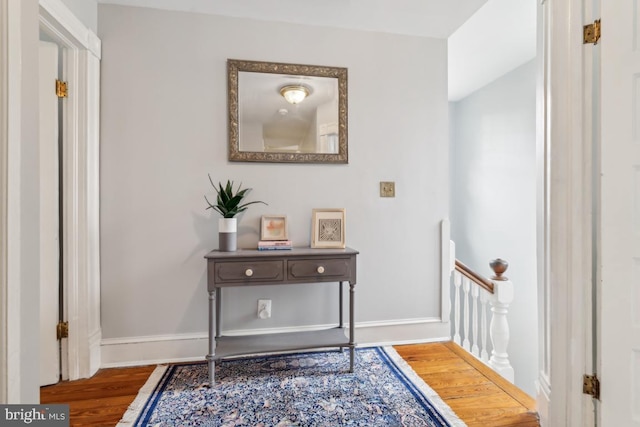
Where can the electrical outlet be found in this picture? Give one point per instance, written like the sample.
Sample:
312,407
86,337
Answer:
264,308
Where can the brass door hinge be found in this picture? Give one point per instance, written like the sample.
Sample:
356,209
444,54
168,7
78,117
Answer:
61,89
591,386
591,33
62,330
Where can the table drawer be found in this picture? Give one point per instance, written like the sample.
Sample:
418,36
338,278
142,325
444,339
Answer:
245,271
306,269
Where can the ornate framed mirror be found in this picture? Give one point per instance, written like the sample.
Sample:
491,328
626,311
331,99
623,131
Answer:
287,112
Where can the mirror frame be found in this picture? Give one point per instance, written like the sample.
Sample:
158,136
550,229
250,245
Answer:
234,66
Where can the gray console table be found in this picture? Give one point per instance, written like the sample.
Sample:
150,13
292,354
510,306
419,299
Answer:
250,267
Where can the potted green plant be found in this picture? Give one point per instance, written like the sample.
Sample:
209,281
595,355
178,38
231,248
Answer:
228,204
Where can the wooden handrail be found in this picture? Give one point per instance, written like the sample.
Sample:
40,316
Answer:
475,277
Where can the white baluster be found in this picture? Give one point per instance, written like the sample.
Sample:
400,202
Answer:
466,285
484,297
500,300
457,281
475,319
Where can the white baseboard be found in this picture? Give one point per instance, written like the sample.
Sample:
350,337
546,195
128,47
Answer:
406,331
152,350
95,351
543,399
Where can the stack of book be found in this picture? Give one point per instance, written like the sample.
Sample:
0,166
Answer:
274,245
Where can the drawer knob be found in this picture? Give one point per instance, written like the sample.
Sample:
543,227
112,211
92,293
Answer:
320,270
249,272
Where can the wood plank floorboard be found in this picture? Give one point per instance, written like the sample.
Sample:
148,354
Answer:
100,400
479,396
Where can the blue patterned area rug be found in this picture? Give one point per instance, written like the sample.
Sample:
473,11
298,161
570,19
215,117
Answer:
302,389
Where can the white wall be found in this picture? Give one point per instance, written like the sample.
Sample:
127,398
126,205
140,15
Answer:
86,11
164,127
493,200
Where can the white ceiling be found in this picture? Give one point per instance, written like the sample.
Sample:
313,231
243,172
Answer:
428,18
495,40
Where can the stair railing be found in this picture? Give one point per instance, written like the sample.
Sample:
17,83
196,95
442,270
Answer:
472,293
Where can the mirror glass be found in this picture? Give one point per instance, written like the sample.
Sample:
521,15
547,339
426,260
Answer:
287,112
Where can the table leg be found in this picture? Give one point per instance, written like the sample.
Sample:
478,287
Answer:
212,340
352,344
341,323
218,311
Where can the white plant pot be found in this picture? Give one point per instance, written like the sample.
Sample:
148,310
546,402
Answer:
227,234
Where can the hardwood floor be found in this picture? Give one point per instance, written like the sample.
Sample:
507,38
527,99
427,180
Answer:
479,396
100,400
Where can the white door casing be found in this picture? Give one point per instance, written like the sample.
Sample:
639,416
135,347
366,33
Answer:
543,382
12,322
82,262
3,203
619,335
79,186
566,217
49,218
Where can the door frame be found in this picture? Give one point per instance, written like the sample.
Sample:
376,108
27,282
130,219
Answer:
4,144
81,199
13,325
566,235
79,187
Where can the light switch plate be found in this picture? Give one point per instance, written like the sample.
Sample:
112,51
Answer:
387,189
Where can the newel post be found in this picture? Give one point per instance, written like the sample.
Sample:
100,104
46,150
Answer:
499,329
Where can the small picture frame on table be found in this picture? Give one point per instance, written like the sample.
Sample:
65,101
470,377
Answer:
273,227
328,228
